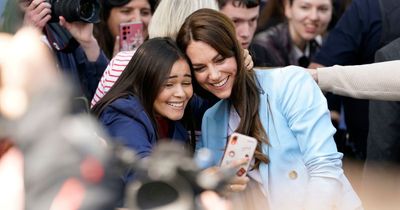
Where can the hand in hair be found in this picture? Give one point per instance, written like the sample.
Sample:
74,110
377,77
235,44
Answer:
248,61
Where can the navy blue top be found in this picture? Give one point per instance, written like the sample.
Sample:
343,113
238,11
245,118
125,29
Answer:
85,74
353,41
127,122
355,38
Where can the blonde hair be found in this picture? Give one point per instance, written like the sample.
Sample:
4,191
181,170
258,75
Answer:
170,15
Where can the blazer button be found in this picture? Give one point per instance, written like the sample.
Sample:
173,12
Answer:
293,175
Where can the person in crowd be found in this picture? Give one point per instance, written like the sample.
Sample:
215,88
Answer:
377,81
33,135
296,162
363,29
139,117
73,43
166,21
245,15
149,99
295,41
115,12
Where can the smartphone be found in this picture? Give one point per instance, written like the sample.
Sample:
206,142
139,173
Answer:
130,35
239,147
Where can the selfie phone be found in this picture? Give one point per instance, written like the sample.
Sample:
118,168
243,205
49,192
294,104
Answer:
130,35
239,147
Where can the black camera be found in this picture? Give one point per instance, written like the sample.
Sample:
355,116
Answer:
169,178
75,10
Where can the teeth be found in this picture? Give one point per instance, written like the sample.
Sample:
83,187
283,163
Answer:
221,83
176,104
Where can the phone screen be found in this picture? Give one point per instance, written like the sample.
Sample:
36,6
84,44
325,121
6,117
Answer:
131,35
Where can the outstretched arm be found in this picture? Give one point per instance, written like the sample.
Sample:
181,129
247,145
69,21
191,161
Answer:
379,81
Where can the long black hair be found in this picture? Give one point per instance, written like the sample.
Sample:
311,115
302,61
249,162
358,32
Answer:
145,75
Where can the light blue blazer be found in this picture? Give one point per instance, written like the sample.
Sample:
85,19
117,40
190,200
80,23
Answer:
305,171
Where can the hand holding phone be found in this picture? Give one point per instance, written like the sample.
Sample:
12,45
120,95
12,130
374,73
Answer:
130,35
239,147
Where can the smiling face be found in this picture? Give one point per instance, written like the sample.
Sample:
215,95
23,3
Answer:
308,18
175,93
212,71
135,10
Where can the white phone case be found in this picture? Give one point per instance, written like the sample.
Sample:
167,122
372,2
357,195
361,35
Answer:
239,146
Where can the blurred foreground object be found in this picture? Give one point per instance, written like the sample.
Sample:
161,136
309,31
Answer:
26,67
65,164
169,179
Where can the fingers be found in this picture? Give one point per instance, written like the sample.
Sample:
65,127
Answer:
211,200
248,61
81,31
63,22
38,14
238,184
315,65
35,3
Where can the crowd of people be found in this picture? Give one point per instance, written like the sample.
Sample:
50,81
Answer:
313,81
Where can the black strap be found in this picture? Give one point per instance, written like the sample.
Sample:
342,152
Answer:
59,38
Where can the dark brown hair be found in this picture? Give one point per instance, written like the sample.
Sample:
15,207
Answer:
272,14
239,3
218,31
145,75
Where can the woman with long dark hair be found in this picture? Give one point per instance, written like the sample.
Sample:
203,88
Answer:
296,164
114,12
149,99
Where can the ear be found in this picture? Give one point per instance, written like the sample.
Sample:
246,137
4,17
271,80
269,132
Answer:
288,9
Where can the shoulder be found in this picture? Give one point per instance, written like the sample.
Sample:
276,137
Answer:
271,34
125,54
121,59
279,83
365,9
284,75
124,107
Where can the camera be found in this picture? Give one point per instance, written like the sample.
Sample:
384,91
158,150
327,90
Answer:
75,10
168,179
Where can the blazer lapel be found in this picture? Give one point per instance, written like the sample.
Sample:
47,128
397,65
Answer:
216,130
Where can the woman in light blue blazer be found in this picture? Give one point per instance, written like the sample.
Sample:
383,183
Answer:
296,164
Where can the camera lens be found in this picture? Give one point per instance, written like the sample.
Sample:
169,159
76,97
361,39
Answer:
156,194
87,9
76,10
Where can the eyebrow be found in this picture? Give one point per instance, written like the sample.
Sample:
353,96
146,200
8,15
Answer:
176,76
213,59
